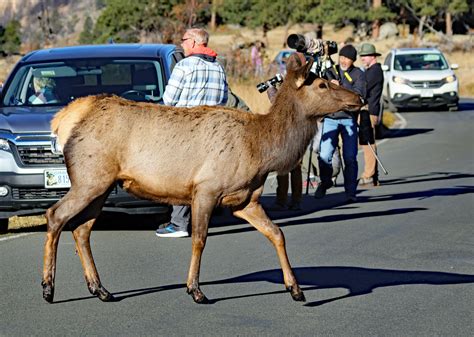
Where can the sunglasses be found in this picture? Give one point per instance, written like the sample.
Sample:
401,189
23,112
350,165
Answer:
188,38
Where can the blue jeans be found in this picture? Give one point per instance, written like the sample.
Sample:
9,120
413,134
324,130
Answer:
347,128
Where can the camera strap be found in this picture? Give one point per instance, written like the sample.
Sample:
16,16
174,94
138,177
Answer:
348,77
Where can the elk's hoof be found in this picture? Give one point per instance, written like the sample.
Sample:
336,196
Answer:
104,295
297,294
48,293
100,292
198,296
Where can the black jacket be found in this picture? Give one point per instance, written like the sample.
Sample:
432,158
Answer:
352,79
374,77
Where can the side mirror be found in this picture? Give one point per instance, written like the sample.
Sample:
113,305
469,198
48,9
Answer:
385,67
454,66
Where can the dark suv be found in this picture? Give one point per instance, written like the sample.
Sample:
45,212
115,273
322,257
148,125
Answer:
32,177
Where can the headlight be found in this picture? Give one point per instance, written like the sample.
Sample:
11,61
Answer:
450,79
4,145
399,80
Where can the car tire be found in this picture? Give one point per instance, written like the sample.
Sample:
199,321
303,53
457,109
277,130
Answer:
3,226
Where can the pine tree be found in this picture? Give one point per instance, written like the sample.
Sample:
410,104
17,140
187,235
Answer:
12,39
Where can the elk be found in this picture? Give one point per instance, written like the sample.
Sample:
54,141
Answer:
205,156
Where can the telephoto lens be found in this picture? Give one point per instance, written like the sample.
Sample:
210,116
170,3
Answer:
297,41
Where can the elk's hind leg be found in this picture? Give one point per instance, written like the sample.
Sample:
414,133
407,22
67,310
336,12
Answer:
79,205
256,216
82,237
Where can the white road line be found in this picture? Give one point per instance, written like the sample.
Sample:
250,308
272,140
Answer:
11,237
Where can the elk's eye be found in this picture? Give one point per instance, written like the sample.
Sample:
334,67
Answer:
322,85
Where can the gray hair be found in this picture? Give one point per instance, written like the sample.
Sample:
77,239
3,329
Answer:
199,35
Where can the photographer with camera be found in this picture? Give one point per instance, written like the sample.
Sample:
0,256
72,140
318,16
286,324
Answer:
342,123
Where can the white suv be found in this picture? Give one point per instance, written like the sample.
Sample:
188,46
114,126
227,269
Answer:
419,78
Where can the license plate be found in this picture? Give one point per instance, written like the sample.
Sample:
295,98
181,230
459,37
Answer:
426,93
57,178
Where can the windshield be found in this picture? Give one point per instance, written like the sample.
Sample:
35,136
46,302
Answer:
61,82
409,62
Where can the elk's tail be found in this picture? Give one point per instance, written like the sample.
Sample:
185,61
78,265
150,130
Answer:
67,118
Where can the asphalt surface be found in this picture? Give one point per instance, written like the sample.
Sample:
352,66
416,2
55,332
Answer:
399,262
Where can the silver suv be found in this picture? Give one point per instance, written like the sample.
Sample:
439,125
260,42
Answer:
419,78
32,176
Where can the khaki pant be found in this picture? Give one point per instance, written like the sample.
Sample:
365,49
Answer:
370,162
296,186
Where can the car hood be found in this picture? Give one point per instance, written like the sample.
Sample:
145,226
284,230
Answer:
27,119
424,75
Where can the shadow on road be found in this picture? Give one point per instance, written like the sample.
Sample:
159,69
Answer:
358,281
420,195
326,219
432,176
465,106
398,133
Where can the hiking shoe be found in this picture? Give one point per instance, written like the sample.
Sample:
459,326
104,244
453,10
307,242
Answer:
366,181
321,190
171,231
369,182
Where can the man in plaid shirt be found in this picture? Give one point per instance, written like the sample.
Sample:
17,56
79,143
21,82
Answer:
196,80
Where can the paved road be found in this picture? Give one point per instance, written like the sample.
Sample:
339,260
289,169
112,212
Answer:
400,262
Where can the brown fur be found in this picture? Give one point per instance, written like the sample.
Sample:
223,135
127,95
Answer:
203,156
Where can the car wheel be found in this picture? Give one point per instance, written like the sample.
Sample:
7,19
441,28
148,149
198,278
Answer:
3,225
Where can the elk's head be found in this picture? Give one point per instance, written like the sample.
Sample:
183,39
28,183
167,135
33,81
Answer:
317,97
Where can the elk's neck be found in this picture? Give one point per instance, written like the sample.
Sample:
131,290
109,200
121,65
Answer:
286,135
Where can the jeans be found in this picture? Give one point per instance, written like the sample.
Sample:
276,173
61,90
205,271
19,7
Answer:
181,216
332,128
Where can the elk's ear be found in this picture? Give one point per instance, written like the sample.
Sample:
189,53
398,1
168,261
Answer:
298,69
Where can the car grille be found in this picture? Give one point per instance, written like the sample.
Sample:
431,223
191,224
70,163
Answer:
427,84
38,193
38,155
42,193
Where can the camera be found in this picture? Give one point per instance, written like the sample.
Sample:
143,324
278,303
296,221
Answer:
319,50
261,87
310,46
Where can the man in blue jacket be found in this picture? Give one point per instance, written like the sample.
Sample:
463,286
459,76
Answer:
342,123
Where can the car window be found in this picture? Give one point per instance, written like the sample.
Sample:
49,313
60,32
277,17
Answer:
61,82
428,61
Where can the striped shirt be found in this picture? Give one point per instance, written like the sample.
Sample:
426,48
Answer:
195,81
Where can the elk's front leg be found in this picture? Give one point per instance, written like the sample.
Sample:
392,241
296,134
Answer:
256,216
201,210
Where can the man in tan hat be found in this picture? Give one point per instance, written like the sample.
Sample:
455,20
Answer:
374,77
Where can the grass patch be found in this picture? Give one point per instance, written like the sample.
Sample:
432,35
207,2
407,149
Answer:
25,222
